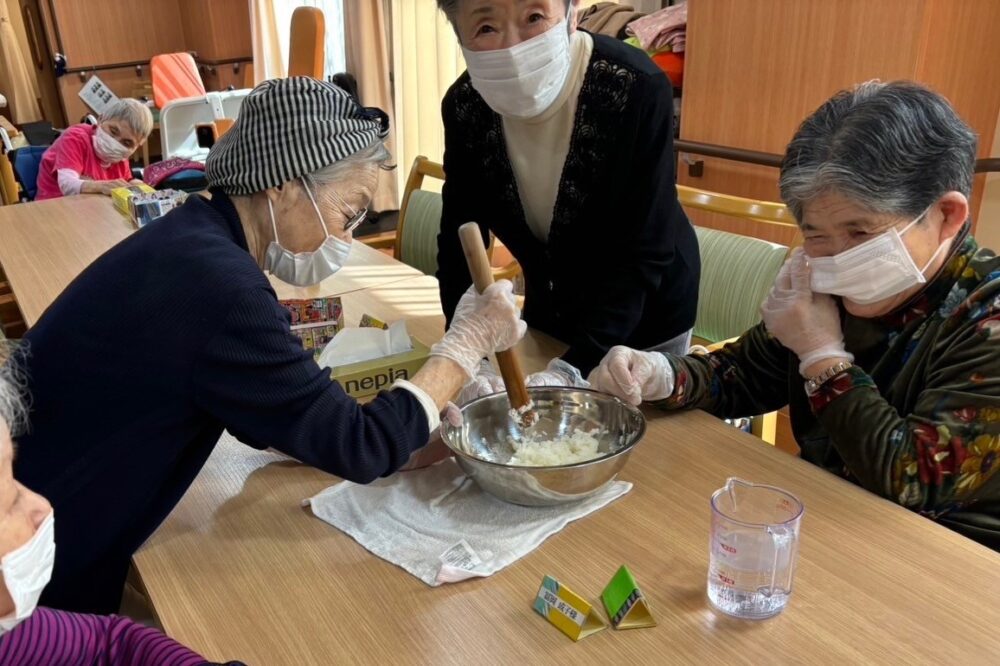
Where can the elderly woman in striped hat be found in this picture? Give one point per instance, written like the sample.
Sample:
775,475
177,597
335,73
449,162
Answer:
176,334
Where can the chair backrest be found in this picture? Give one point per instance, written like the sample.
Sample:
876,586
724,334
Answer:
26,162
736,271
175,76
727,204
736,274
307,45
417,240
419,218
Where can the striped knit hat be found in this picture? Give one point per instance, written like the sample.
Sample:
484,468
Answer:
288,128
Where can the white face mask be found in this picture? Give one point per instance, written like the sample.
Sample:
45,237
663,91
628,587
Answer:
305,268
26,572
108,148
871,272
524,80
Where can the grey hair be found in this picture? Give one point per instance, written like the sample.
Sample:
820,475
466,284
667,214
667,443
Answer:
133,113
13,397
376,153
450,7
893,148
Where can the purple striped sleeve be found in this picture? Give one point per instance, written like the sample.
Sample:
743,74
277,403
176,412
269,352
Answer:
59,638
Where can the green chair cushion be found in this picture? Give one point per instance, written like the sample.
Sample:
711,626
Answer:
737,273
418,240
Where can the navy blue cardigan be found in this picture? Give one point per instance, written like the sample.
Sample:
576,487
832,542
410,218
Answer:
134,371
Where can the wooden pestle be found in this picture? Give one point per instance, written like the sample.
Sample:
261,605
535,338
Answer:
510,364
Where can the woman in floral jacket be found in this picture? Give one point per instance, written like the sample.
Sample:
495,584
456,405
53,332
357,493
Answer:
882,334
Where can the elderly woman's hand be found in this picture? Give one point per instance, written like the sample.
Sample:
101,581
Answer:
558,373
805,322
634,375
485,382
436,450
483,324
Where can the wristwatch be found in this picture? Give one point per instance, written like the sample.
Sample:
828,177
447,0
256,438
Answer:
813,383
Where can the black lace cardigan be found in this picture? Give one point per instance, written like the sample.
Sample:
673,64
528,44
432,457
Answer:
621,264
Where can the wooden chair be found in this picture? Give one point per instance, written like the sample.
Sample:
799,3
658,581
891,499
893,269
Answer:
737,272
307,46
9,191
415,240
11,324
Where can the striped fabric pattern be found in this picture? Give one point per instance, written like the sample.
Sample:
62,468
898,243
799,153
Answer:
288,128
737,273
418,245
57,638
175,76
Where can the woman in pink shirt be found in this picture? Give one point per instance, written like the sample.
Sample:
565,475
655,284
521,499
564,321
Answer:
88,159
28,635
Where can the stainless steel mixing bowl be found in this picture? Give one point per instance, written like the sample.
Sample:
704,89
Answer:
483,444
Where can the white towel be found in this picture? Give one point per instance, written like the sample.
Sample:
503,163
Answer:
440,526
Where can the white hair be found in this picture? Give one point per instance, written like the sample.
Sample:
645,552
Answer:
133,113
13,399
376,153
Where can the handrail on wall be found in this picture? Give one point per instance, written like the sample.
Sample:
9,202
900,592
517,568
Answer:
985,165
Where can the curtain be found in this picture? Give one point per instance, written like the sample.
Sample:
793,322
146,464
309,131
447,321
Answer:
16,80
268,57
426,61
366,46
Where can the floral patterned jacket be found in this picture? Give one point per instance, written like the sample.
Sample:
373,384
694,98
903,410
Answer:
917,420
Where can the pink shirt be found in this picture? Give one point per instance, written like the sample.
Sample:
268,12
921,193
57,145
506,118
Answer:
74,150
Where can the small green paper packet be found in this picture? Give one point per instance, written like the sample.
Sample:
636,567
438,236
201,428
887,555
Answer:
624,602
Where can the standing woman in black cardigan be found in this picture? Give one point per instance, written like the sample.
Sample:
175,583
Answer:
560,143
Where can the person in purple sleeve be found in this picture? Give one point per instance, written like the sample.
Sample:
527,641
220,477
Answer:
30,635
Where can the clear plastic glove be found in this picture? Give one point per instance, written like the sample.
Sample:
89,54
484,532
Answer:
483,324
436,449
558,373
634,375
806,323
486,382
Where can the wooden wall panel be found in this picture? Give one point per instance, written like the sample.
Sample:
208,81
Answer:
196,19
122,81
217,29
103,32
754,70
231,29
961,49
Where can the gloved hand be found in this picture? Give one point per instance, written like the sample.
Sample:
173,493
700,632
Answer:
558,373
436,449
634,375
483,324
486,382
806,323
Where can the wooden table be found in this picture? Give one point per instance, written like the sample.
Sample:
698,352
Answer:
44,245
241,571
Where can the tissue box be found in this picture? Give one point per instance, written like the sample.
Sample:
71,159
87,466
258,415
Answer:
315,320
121,196
148,206
369,377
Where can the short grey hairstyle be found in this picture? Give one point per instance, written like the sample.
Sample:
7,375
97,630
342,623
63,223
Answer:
893,148
133,113
376,153
450,7
13,400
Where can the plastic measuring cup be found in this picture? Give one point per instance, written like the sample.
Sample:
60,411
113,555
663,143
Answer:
754,545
